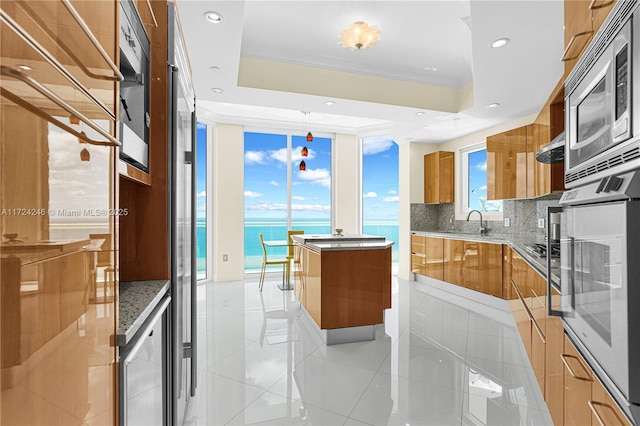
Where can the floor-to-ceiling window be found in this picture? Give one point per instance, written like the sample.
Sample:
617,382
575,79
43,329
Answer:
201,202
380,189
279,195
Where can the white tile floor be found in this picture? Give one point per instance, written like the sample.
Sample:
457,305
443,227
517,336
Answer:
445,356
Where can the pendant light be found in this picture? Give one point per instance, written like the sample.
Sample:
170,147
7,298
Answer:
304,152
306,122
303,166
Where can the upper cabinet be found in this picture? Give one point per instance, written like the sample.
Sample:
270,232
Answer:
439,177
582,19
512,169
508,161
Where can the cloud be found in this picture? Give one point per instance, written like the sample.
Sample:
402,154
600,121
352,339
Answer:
376,145
316,176
483,188
274,183
254,157
393,199
298,198
202,194
251,194
281,154
370,194
482,166
392,192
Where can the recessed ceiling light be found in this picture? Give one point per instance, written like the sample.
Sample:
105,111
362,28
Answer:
25,67
432,69
217,90
213,17
501,42
493,105
214,68
329,103
419,113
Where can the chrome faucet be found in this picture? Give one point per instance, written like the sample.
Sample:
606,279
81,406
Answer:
482,229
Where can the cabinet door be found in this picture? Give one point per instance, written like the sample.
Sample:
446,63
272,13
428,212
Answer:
522,319
507,292
490,279
599,11
538,354
418,261
578,31
577,387
446,171
434,257
507,165
604,411
554,368
431,180
454,255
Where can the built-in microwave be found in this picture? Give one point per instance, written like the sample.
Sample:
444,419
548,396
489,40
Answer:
602,109
134,120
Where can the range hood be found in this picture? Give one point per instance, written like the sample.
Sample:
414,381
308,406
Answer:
553,152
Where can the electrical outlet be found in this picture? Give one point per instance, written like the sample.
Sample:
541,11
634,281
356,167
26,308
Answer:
507,222
541,223
225,257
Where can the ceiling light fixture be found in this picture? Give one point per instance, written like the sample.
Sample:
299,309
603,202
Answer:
330,103
493,105
214,68
217,90
501,42
432,69
213,17
305,118
359,35
419,113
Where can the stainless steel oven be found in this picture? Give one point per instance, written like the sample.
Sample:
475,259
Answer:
599,281
602,109
134,117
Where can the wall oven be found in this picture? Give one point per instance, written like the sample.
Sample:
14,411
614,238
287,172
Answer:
602,104
599,243
133,129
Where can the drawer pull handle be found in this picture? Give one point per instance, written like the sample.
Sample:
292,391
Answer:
10,72
573,39
592,405
566,364
592,5
34,15
92,38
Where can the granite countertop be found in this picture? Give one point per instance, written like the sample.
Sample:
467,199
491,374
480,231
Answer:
137,301
344,242
516,242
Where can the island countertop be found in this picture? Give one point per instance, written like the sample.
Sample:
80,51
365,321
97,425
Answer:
344,242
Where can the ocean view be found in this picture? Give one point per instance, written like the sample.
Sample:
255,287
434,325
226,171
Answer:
276,229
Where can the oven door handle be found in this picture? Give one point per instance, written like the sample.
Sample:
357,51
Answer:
550,286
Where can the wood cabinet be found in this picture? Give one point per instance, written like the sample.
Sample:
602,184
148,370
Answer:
426,256
439,180
512,169
582,20
58,314
554,368
586,400
508,161
474,265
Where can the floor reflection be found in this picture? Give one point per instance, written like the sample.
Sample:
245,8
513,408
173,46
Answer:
440,358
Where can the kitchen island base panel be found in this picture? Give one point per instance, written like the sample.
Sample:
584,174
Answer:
337,336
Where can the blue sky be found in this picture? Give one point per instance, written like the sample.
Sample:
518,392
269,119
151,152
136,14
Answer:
266,178
379,179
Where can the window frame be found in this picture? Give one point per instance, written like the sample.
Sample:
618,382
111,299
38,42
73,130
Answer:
462,192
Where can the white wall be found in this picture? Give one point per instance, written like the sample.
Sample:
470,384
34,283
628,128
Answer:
228,202
346,183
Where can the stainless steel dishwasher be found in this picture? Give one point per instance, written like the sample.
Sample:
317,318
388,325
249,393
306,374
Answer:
144,366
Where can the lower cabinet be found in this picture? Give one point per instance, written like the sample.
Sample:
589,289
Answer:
144,370
474,265
586,401
426,256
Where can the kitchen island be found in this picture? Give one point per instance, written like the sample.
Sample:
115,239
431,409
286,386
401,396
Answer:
343,283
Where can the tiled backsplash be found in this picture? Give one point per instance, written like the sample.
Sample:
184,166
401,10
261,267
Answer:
523,215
